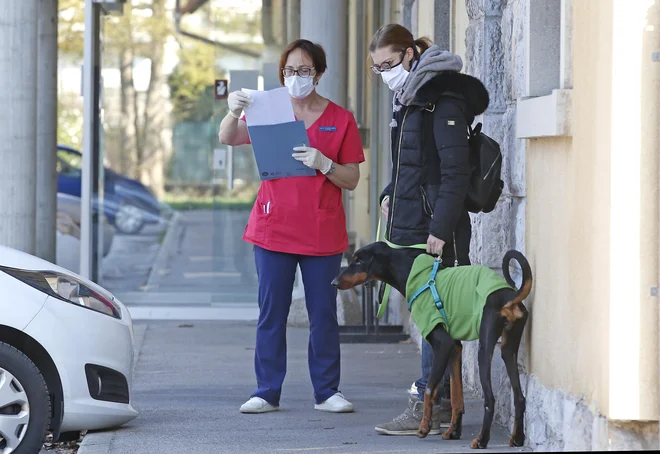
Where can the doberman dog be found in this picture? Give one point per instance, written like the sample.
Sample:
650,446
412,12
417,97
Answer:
503,316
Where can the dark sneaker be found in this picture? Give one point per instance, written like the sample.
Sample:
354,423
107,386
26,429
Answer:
408,422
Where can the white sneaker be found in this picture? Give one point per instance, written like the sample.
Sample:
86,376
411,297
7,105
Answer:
335,404
257,405
413,389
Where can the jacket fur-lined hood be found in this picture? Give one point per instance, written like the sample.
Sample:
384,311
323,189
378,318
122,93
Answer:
452,82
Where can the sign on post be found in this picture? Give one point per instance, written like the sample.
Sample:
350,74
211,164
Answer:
221,89
220,159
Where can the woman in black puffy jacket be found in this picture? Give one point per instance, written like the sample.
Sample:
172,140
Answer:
425,201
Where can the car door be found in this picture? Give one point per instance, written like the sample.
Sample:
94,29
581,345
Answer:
69,176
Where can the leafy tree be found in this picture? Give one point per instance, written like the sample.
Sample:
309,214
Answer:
69,124
135,125
191,86
141,32
71,20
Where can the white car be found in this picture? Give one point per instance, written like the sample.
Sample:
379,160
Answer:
66,354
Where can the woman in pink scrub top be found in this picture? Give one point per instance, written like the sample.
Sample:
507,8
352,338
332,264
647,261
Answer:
301,221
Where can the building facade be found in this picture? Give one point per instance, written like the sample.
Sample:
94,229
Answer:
575,100
574,87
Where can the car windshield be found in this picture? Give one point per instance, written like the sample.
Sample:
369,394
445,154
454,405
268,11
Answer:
73,160
65,169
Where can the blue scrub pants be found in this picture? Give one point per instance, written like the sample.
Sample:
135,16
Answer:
276,272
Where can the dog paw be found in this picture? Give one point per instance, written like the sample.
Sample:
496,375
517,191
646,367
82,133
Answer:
477,444
424,429
451,434
517,441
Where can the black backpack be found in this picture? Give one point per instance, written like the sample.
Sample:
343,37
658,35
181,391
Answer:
486,178
486,163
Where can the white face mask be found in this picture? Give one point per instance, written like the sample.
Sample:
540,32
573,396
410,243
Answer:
395,77
299,87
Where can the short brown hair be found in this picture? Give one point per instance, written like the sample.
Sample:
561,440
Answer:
400,38
315,52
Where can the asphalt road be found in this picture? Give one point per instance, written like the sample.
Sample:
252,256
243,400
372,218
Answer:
191,378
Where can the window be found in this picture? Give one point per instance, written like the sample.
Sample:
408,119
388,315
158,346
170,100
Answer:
549,47
66,170
72,159
546,109
544,47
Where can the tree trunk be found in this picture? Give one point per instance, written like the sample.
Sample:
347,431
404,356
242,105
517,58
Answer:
272,48
127,152
153,124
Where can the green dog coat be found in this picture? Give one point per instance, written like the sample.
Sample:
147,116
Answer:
463,291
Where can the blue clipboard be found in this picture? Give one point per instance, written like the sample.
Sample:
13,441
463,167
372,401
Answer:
273,146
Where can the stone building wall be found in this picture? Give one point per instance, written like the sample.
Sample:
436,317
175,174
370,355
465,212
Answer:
495,53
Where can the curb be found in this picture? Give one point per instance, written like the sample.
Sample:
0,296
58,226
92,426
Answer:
164,250
100,442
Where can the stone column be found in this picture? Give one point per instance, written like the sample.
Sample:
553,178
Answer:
46,130
407,13
495,53
292,20
18,117
326,23
442,22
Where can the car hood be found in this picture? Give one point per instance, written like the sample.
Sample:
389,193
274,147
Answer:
14,258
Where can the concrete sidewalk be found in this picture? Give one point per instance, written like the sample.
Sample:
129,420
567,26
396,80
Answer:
191,380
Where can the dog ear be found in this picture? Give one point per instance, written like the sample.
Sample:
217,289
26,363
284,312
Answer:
372,263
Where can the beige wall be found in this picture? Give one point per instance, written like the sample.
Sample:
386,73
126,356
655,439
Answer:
592,239
649,173
359,205
425,19
460,22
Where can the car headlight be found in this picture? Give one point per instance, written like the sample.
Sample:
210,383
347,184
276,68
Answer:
66,288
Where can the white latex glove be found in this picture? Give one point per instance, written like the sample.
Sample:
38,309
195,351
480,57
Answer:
237,101
312,158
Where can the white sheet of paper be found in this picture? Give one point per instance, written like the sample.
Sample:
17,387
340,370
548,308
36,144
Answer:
269,107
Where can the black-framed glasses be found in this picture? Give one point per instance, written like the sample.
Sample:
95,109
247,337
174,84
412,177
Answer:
384,67
304,71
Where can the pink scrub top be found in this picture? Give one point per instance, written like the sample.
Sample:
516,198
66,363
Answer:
305,215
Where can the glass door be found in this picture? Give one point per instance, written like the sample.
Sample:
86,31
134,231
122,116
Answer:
180,199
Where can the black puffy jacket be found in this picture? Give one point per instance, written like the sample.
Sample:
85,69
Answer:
429,183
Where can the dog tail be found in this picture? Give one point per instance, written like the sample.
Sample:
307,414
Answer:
511,310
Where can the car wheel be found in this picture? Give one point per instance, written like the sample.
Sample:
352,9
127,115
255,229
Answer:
129,219
24,403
